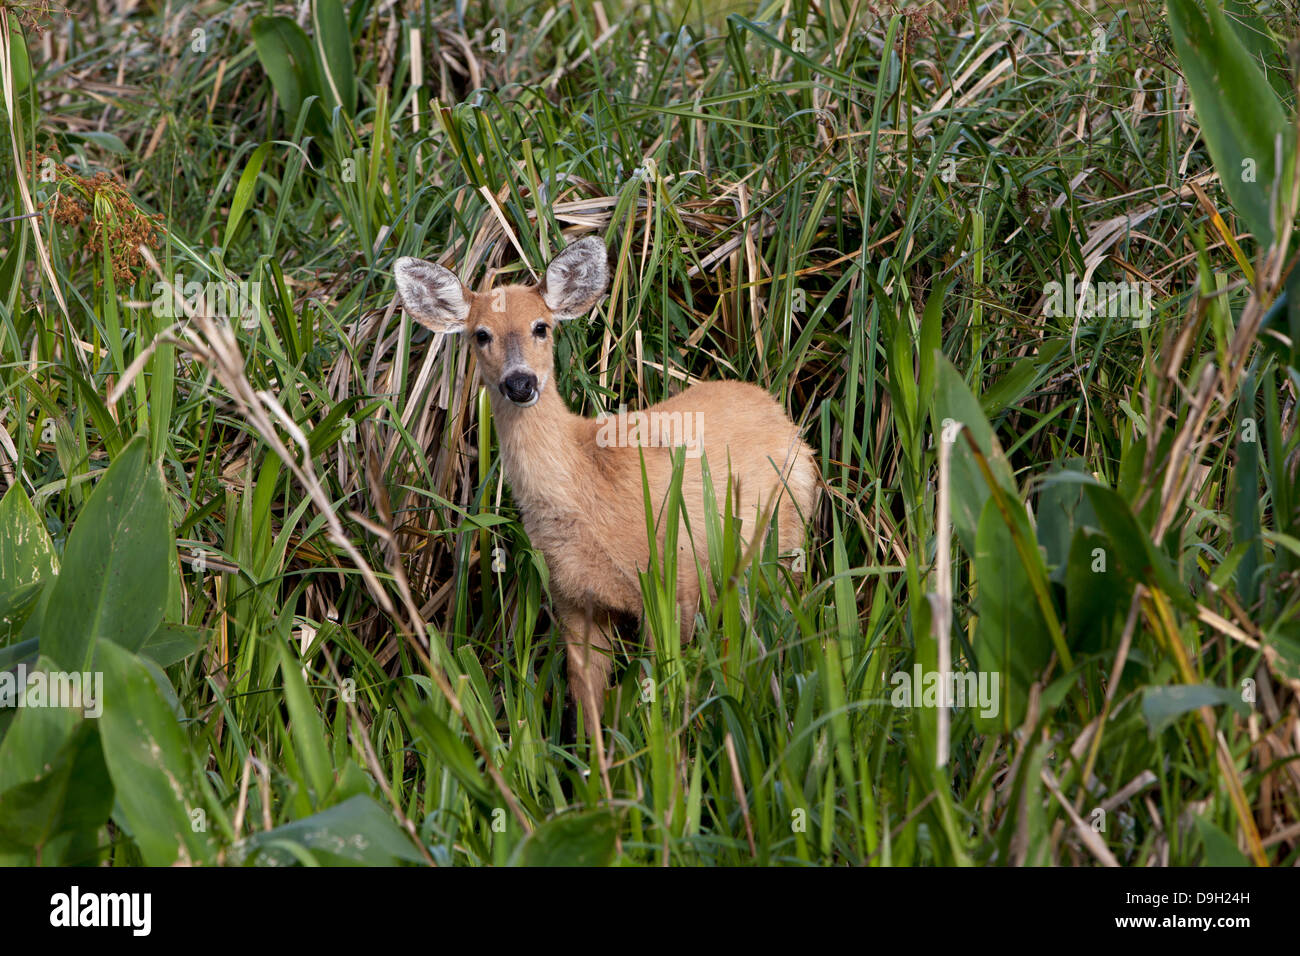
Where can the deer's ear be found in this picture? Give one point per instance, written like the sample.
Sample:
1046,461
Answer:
432,295
576,278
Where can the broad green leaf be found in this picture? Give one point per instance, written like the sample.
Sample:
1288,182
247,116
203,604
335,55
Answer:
69,794
1240,116
954,402
1131,545
21,62
1162,705
113,583
1259,41
334,52
21,651
171,643
1285,639
150,762
1220,849
357,831
1062,508
1022,377
484,520
26,551
39,732
1095,590
53,783
584,838
285,53
105,141
1011,637
16,609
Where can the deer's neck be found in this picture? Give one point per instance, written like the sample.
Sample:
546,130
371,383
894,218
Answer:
544,458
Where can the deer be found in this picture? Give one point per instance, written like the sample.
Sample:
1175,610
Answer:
577,481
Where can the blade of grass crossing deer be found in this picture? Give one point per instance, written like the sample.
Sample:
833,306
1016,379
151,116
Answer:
668,646
731,607
490,560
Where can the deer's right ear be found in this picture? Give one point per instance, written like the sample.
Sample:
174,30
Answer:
431,294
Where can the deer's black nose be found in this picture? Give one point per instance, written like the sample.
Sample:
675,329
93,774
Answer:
520,387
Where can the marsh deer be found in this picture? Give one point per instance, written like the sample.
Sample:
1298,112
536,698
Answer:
578,481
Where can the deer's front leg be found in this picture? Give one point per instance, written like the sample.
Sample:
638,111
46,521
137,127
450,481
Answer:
589,651
688,594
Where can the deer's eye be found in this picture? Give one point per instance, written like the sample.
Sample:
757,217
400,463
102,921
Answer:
482,336
540,328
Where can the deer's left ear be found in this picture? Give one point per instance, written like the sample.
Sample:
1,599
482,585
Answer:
576,278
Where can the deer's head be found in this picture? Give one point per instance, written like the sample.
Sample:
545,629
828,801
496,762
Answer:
510,326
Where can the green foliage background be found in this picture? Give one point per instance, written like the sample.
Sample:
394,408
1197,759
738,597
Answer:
282,541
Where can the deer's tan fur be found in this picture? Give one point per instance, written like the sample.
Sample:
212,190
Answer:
583,504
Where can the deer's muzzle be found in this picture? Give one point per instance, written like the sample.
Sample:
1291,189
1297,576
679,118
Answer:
520,388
